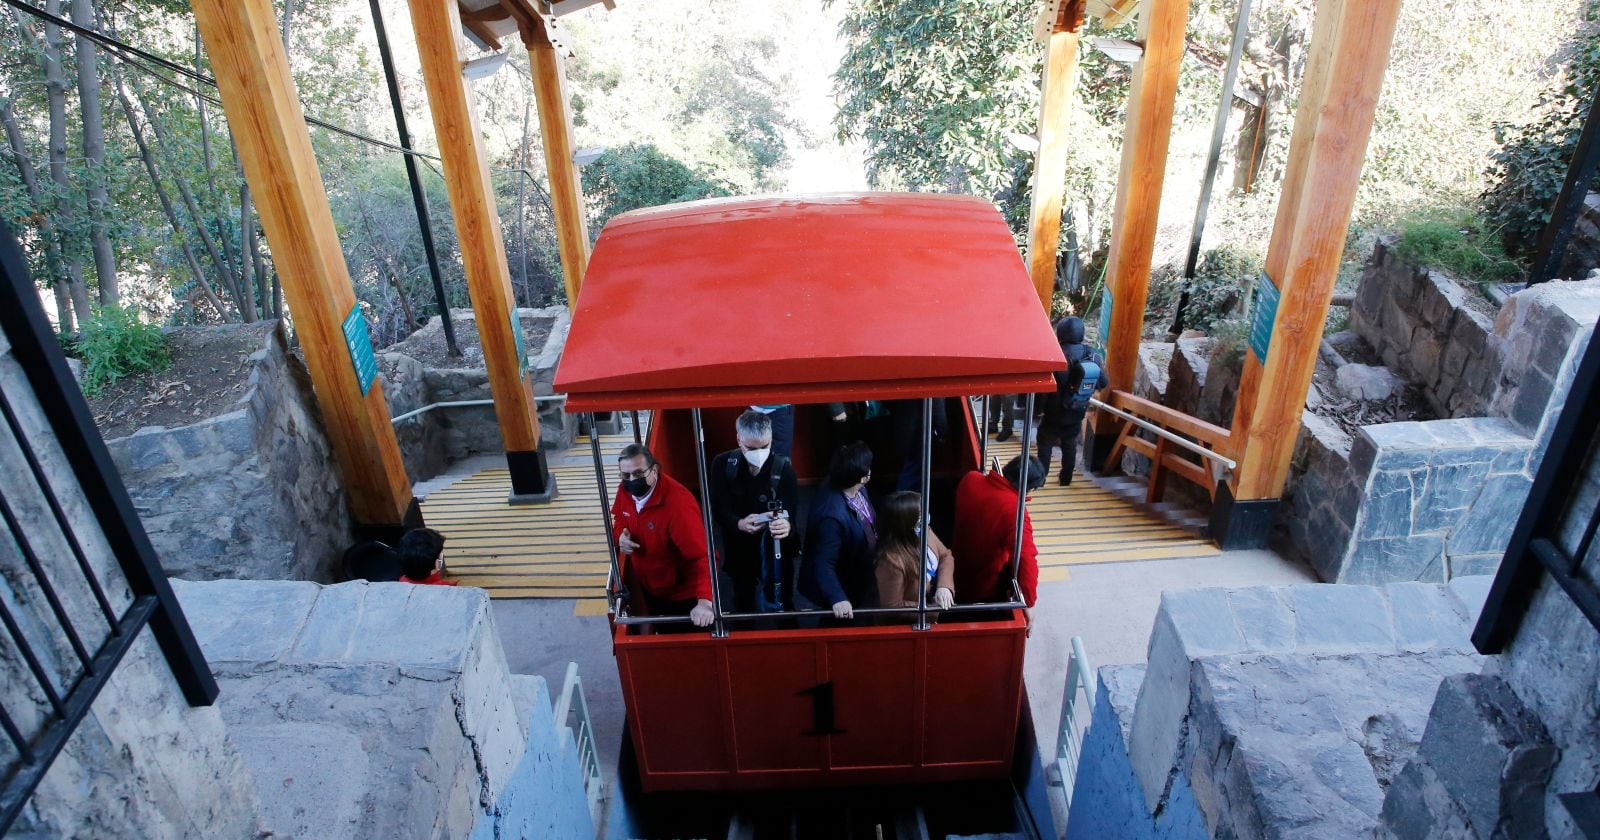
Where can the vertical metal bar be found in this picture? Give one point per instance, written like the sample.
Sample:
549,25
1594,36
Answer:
717,628
922,504
1022,492
1569,202
60,515
983,434
38,353
25,546
33,661
1219,129
638,434
605,510
419,198
24,750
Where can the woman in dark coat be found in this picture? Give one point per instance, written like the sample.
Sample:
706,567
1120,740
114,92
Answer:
841,536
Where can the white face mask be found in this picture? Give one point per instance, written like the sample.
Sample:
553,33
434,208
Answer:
757,457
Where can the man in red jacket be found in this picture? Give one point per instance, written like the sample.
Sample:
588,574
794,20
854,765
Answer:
986,531
660,532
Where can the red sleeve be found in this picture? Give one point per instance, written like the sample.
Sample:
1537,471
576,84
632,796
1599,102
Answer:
688,535
1028,569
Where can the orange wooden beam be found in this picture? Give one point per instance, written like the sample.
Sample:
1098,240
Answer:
263,108
472,201
1050,161
1146,134
546,57
1345,67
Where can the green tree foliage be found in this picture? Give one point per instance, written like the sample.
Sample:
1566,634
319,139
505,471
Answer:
935,87
641,175
115,343
1528,169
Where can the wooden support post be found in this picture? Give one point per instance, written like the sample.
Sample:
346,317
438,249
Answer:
437,25
555,129
1050,161
264,112
1344,73
1145,137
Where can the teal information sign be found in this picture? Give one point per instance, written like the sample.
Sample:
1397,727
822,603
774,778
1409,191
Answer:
1264,315
1105,317
522,349
359,341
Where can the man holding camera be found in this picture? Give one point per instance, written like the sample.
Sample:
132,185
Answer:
752,500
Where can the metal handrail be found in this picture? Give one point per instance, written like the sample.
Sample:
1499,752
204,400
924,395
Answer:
1074,720
572,702
1161,432
624,618
417,412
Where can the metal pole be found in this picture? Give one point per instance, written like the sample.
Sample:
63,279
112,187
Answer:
717,629
1557,232
1022,492
605,509
1241,34
638,436
922,505
983,434
418,198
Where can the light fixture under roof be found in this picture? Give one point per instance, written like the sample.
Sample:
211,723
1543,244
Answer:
1119,50
484,66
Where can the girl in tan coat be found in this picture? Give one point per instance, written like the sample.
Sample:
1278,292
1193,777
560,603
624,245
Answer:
898,568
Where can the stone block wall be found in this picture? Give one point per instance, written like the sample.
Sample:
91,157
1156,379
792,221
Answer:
1275,712
1436,499
384,710
1431,329
430,442
1503,748
253,493
142,762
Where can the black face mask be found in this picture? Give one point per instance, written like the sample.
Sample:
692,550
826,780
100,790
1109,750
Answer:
636,486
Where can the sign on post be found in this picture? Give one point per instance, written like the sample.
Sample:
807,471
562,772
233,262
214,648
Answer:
522,349
1105,317
1263,316
359,341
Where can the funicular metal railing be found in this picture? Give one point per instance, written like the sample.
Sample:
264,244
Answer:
616,590
1077,709
97,634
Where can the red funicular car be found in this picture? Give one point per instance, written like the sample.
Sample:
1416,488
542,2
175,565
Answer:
697,311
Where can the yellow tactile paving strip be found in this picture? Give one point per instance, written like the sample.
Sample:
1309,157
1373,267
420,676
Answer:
559,550
1086,523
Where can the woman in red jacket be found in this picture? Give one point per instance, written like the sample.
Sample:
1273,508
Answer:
986,532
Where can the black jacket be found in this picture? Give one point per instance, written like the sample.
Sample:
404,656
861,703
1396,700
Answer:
732,499
1057,410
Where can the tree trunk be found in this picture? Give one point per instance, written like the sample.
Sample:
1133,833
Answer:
288,24
94,154
247,267
37,200
522,206
225,269
55,81
166,201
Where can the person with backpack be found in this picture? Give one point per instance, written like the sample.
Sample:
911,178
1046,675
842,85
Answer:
1064,410
753,496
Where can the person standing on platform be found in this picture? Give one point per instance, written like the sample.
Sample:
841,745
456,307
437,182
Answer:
1002,415
782,417
753,496
658,528
1064,410
986,508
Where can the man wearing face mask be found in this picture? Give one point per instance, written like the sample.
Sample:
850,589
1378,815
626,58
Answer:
753,500
662,539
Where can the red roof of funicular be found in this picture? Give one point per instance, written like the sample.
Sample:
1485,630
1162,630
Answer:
801,299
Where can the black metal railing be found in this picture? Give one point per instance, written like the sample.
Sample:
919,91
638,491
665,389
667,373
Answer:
70,646
1551,518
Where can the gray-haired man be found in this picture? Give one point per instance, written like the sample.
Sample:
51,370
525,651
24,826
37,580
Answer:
752,502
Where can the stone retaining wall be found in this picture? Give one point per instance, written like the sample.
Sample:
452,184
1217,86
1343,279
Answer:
1431,329
384,710
253,493
429,443
1273,712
